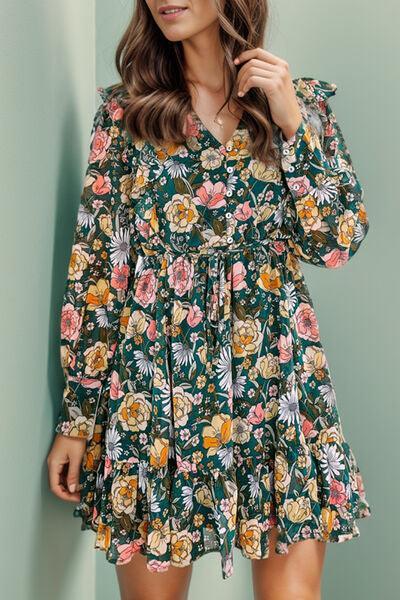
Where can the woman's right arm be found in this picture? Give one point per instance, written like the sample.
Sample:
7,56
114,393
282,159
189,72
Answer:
99,270
101,265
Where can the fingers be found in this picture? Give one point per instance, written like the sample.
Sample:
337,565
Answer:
57,481
64,462
258,53
250,77
259,65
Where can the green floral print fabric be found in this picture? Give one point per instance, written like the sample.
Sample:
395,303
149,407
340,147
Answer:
190,346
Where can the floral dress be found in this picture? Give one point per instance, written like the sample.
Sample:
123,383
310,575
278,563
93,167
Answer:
191,351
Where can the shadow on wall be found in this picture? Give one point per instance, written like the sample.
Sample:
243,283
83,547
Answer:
60,565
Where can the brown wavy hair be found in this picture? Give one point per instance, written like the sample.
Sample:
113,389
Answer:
151,71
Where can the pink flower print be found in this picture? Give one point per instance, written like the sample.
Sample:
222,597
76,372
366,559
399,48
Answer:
211,195
307,428
180,273
143,228
185,466
244,211
256,414
285,347
107,467
192,129
238,275
306,322
99,146
300,186
115,386
158,566
71,321
115,110
279,247
126,551
338,493
336,258
146,288
119,278
195,315
151,330
102,185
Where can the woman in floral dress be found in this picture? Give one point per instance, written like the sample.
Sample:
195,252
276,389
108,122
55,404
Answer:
198,411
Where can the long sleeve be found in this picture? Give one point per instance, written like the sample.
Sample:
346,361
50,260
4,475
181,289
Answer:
100,267
325,211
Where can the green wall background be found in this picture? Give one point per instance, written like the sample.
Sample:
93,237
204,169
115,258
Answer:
47,73
54,54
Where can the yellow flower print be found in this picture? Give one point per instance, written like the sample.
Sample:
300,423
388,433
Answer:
181,212
179,313
103,536
346,226
126,184
264,172
78,262
105,223
298,510
137,324
124,494
250,538
315,361
99,294
328,517
151,217
134,412
312,489
96,359
159,379
311,137
268,365
203,496
158,540
182,405
308,213
282,477
217,434
181,548
246,336
80,426
271,409
241,430
159,452
269,279
211,158
330,435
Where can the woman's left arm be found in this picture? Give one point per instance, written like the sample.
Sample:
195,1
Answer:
324,207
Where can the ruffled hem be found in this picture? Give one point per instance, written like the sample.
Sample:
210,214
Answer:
151,524
282,547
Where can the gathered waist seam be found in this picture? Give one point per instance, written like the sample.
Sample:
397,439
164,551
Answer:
210,250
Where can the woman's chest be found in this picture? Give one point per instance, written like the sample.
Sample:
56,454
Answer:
200,194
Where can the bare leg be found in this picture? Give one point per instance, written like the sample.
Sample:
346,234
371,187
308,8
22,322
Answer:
136,582
293,576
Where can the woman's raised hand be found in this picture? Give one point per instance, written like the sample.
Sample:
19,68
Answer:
270,73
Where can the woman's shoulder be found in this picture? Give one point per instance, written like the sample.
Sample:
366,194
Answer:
110,113
311,89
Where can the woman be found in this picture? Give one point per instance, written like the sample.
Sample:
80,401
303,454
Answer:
199,412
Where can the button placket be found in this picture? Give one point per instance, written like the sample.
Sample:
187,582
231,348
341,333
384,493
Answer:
230,221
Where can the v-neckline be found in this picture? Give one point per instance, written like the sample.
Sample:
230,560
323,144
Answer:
239,127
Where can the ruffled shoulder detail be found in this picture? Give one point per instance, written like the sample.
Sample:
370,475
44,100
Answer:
114,91
313,95
311,90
